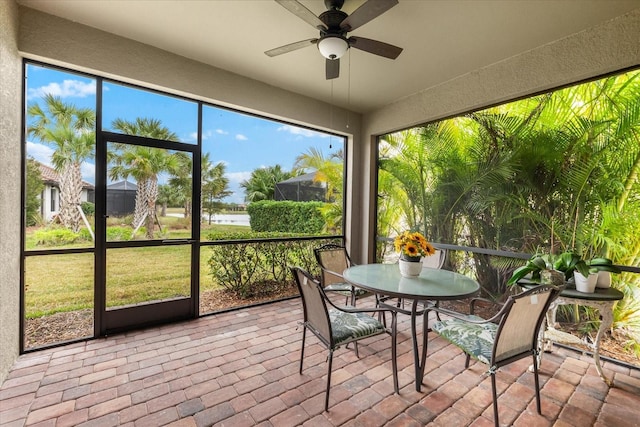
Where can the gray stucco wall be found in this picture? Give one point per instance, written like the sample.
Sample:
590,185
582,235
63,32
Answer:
10,102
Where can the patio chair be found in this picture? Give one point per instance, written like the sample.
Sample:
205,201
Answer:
337,326
333,260
508,336
436,260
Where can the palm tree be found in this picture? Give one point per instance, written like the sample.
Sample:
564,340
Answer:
144,164
214,186
71,131
566,162
169,196
182,181
262,183
330,171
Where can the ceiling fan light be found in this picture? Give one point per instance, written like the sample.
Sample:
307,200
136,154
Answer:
333,47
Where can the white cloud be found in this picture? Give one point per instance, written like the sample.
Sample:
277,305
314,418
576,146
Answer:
241,137
88,171
222,132
68,89
193,136
235,178
307,133
238,177
40,152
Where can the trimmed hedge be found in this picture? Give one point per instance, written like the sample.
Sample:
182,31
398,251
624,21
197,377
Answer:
286,216
253,268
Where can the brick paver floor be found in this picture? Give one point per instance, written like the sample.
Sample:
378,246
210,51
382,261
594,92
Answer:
240,368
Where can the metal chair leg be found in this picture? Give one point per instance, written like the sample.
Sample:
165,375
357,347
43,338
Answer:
537,383
330,362
304,333
495,399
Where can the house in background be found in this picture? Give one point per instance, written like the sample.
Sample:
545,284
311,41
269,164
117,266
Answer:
121,198
50,196
303,188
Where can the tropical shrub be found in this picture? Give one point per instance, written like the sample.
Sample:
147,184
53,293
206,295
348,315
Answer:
88,208
556,171
119,233
56,236
259,268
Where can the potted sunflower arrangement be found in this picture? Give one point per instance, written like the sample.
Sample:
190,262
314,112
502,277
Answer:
412,246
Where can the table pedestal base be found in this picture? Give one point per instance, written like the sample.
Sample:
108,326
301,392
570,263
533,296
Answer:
419,354
551,334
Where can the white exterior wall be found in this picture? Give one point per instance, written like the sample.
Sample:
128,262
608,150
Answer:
45,201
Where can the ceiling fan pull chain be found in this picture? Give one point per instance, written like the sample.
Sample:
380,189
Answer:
349,91
331,115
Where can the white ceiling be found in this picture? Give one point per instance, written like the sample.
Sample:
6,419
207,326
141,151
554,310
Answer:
442,39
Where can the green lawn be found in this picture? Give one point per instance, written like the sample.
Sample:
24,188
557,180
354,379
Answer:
61,283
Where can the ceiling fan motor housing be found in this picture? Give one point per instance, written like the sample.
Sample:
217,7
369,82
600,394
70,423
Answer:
334,24
333,36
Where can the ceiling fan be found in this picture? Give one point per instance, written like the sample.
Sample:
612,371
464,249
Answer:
334,24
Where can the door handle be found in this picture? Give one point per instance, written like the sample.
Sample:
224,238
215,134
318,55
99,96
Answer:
177,241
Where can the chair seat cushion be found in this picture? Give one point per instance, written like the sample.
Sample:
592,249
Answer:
474,339
349,326
344,288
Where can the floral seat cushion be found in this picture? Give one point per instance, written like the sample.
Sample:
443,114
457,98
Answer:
344,289
349,326
474,339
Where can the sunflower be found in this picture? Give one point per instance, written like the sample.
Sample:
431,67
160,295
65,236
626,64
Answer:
429,249
413,244
411,249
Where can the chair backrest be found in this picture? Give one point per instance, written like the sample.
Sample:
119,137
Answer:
436,260
517,332
314,307
333,260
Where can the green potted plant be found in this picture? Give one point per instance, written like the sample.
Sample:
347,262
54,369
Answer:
600,267
588,271
540,268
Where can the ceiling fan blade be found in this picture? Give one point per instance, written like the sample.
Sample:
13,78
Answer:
369,10
333,68
290,47
303,13
377,48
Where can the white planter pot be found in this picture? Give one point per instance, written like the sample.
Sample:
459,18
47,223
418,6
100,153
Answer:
410,268
604,279
585,284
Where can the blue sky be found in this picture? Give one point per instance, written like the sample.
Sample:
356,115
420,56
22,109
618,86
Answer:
242,142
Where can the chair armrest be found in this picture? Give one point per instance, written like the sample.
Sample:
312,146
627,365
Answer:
467,317
350,309
335,273
472,303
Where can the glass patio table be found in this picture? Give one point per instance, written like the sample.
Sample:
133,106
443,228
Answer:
431,285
